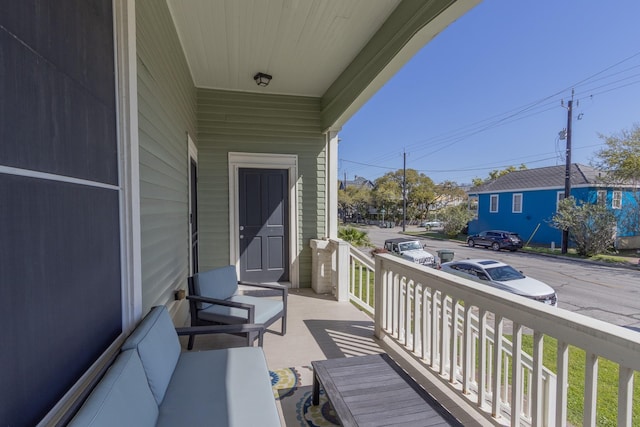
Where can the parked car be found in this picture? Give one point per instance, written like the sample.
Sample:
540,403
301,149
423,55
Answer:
431,224
502,276
412,250
496,240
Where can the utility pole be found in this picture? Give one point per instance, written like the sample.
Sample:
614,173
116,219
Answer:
567,171
404,190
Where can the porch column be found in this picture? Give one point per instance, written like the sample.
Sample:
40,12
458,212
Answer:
331,185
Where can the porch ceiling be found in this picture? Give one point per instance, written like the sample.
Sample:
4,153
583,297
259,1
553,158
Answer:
340,50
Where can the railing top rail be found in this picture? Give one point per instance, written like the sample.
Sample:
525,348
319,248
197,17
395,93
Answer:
613,342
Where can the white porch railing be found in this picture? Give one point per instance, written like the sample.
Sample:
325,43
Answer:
466,343
479,363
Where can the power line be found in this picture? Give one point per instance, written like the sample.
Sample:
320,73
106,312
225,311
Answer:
448,139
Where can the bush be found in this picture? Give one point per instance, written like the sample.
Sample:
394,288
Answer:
591,226
352,235
456,218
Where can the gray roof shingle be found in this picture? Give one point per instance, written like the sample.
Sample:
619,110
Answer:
546,177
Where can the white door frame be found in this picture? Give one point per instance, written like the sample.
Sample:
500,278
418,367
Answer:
264,161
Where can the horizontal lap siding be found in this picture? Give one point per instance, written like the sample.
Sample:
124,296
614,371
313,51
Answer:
254,123
166,105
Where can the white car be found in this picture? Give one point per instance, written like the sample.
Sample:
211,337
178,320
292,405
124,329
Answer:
412,250
431,224
502,276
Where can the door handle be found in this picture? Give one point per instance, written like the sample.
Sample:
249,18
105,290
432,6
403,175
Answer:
241,236
241,227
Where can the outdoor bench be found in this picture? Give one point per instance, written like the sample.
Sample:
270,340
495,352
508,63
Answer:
153,383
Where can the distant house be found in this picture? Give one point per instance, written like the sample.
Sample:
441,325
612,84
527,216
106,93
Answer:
358,182
524,201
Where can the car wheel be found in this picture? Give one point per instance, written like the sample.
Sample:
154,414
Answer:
471,243
495,246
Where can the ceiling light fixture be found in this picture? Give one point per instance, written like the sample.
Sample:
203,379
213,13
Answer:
262,79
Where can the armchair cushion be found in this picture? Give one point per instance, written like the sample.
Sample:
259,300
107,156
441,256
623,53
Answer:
219,283
159,349
265,310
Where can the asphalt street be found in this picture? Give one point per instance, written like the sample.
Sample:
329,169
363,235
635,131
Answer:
604,292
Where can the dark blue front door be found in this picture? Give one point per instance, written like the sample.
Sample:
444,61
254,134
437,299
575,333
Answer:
263,219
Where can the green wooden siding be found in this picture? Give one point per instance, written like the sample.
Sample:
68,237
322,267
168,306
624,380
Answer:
255,123
167,111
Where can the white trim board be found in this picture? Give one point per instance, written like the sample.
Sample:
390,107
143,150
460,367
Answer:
265,161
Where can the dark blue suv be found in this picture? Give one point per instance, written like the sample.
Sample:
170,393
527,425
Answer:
496,240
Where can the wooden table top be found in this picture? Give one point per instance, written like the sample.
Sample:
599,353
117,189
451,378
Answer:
374,391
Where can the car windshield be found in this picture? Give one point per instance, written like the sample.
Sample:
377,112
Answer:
409,246
504,273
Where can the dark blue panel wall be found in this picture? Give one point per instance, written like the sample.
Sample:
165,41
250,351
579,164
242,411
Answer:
60,280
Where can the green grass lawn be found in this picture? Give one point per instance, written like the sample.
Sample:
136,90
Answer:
607,384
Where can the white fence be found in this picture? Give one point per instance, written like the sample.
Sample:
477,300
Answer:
445,321
467,343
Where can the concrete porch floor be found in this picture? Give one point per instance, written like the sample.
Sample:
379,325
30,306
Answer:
319,327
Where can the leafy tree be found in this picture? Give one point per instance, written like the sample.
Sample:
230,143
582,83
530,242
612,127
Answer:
354,236
448,192
591,225
420,191
620,160
496,173
456,218
355,199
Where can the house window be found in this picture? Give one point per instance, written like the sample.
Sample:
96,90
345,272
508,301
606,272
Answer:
560,197
601,197
517,203
473,206
616,201
493,205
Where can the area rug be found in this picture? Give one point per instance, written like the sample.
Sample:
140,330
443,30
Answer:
292,388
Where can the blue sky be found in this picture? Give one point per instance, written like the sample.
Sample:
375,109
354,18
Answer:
486,93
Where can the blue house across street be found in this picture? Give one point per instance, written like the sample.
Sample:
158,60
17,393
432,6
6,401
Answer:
524,202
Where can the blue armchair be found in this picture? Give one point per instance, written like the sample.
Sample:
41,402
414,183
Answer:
214,298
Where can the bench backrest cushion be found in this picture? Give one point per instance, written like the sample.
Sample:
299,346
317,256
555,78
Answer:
219,283
158,346
121,398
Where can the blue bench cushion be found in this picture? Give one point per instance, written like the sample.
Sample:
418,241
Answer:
121,398
265,309
229,387
219,283
158,346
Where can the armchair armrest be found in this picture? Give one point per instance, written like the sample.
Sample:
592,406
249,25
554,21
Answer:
245,328
249,307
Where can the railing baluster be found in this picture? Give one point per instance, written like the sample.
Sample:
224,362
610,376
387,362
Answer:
467,350
516,375
443,332
417,320
497,355
561,385
590,389
625,396
453,341
434,327
482,359
425,323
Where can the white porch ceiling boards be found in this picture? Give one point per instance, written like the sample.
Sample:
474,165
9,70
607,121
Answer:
304,44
